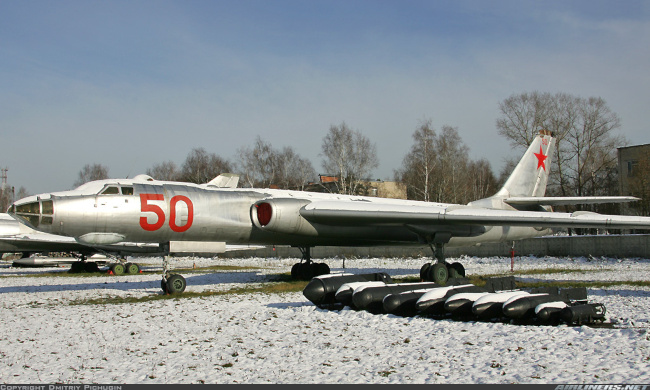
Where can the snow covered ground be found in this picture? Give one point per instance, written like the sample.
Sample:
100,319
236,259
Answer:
284,338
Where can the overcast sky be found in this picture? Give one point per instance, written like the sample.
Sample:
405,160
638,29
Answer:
129,84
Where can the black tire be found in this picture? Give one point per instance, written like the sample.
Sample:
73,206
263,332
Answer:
424,271
456,270
117,268
176,284
322,269
163,286
77,267
91,267
132,268
439,273
305,271
294,271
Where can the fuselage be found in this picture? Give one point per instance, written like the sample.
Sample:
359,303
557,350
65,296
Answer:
143,210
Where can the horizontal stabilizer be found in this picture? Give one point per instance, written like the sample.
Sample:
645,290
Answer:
567,200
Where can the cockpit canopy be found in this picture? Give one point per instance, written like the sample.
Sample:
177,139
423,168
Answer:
36,213
117,190
39,210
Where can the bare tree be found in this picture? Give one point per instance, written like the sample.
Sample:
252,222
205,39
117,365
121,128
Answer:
201,167
293,171
90,173
7,196
263,166
438,168
349,155
451,171
585,155
419,164
258,164
164,171
593,146
481,178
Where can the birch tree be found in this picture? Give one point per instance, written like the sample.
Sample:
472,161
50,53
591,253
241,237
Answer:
349,155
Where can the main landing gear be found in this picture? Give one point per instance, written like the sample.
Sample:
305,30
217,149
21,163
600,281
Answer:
440,271
171,283
307,269
120,267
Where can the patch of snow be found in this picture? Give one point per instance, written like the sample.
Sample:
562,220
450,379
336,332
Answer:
284,338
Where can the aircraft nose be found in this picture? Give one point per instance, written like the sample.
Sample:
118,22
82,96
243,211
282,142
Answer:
38,211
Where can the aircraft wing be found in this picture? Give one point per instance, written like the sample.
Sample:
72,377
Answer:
40,242
16,237
367,213
567,200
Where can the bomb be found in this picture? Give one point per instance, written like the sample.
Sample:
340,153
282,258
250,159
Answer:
489,306
402,304
523,307
344,294
321,290
371,298
433,302
461,304
549,312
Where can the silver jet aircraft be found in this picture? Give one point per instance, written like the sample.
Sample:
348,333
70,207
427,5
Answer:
145,210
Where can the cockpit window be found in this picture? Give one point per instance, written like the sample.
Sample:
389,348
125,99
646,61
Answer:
29,212
48,207
115,190
28,208
112,190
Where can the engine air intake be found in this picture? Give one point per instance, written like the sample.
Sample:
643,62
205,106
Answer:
264,213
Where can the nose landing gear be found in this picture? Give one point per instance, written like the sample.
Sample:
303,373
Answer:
171,283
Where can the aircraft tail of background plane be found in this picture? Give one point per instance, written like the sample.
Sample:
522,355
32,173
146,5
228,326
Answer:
530,176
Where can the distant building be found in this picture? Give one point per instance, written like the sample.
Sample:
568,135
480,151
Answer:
379,188
634,177
386,189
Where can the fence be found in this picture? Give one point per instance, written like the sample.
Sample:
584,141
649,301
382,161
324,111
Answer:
618,246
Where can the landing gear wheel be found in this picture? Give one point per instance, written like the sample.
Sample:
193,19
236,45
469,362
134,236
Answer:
117,269
163,286
294,271
456,270
77,267
91,267
176,284
131,268
424,272
439,273
322,269
305,271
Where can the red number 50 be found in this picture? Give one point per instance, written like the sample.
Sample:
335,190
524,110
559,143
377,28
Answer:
152,208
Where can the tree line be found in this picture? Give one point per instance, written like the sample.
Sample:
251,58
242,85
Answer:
347,154
438,166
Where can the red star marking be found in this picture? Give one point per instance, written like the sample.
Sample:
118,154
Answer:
540,158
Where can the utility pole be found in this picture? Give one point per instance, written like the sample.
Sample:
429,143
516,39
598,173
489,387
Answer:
3,189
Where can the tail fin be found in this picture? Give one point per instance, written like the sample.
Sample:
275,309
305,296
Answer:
530,176
225,180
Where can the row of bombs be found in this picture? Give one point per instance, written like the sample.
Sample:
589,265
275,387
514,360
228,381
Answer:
459,299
